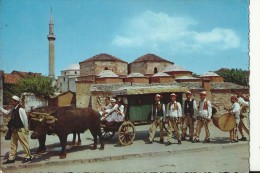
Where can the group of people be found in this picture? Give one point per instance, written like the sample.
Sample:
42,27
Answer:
173,115
112,111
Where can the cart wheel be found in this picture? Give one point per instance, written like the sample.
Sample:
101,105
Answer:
107,133
126,133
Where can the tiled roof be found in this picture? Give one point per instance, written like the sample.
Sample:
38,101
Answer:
11,78
135,75
209,73
174,67
25,74
187,77
160,74
103,57
15,76
107,73
151,58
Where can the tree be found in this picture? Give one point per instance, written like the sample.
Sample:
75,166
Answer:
237,76
41,86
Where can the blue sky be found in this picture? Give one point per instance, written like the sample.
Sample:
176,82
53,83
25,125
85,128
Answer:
199,35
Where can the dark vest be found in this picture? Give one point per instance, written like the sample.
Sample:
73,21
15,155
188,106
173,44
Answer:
17,122
188,107
159,109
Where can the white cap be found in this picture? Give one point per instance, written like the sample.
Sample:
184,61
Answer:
188,92
173,94
203,92
158,95
16,98
113,100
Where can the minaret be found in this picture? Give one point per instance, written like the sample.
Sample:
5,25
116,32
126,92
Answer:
51,37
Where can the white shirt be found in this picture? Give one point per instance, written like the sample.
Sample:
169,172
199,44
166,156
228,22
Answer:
22,114
205,113
242,102
235,108
113,115
171,112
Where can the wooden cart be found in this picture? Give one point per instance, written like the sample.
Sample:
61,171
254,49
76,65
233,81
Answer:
138,104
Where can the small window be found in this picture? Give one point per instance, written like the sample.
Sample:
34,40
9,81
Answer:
155,70
105,68
64,79
75,72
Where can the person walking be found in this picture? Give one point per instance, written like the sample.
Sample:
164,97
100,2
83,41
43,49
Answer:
19,127
173,115
204,117
157,117
190,110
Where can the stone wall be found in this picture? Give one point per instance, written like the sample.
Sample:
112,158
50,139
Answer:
87,68
118,67
83,94
95,67
179,73
214,78
161,79
148,68
108,80
136,80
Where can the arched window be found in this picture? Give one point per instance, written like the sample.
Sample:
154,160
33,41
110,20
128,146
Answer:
155,70
105,68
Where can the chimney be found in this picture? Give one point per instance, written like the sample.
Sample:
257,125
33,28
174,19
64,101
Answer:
206,84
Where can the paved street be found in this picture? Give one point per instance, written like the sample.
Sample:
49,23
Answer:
225,160
217,155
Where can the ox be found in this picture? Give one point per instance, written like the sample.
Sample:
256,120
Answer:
66,120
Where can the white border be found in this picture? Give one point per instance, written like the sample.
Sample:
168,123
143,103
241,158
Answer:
254,16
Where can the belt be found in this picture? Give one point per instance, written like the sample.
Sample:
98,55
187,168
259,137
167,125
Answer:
201,118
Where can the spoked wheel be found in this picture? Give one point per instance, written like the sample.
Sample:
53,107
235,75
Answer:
126,133
107,133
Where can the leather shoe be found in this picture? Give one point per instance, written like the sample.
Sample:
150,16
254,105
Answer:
243,139
9,161
207,140
179,141
149,142
195,140
168,143
190,139
27,160
161,141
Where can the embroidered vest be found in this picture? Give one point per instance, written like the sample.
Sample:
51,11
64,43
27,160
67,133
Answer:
17,122
159,108
188,107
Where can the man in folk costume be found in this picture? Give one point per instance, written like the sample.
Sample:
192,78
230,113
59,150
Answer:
105,107
157,117
204,117
19,127
235,111
190,110
244,116
173,114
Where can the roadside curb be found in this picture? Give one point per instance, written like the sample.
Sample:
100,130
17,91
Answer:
119,157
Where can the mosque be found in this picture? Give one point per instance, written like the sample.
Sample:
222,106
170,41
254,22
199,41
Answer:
98,76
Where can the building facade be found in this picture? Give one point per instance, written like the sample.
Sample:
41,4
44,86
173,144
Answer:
67,80
149,65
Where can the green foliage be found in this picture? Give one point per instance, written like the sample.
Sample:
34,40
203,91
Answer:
41,86
237,76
